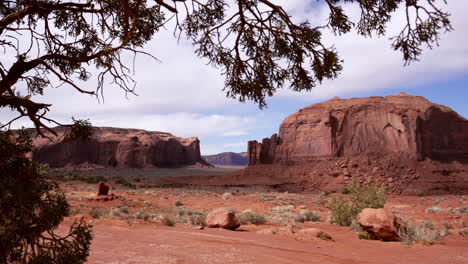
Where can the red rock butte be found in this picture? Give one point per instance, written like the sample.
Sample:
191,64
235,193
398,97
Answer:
118,147
406,141
403,124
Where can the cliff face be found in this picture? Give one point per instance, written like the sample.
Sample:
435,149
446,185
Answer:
375,126
117,147
227,159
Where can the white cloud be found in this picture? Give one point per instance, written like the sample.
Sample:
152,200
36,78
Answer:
184,124
371,63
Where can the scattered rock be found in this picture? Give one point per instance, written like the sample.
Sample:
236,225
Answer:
222,218
380,224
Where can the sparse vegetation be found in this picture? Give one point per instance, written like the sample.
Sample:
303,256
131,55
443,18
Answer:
344,210
167,221
364,235
420,193
226,196
324,236
124,182
308,216
433,210
178,203
97,212
425,233
250,217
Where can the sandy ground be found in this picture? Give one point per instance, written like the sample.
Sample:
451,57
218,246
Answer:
122,238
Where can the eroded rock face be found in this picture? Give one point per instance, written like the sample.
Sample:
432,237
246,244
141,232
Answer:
117,147
222,218
380,224
401,123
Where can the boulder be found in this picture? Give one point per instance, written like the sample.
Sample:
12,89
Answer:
380,224
222,218
118,147
103,189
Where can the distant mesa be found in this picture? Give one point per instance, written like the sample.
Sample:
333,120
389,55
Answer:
119,148
227,159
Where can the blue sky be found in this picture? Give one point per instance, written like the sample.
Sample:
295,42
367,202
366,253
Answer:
183,96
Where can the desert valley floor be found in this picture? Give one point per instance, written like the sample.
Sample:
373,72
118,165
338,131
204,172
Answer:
130,228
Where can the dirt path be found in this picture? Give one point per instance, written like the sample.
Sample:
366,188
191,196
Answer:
117,243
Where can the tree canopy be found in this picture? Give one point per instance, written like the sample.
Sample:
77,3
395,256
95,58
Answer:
257,45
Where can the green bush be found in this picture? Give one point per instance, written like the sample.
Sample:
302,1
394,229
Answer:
344,210
32,206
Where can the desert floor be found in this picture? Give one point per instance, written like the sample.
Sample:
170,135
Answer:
130,230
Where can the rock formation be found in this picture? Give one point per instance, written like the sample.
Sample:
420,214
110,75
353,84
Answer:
227,159
118,147
403,140
375,126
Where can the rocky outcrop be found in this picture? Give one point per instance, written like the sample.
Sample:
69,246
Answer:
376,126
406,142
118,147
227,159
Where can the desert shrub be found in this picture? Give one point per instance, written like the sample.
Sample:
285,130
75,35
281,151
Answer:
344,210
433,210
178,203
364,235
344,190
445,229
137,179
463,210
438,201
420,193
75,211
250,217
124,182
463,232
226,196
267,198
123,209
166,220
191,216
97,212
32,206
308,216
425,233
142,215
324,236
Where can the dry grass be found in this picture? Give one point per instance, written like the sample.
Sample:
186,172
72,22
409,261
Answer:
250,217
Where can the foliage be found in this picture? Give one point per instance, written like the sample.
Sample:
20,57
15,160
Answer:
345,210
256,44
31,210
80,130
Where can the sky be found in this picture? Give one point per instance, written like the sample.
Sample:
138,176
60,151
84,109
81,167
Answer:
183,96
